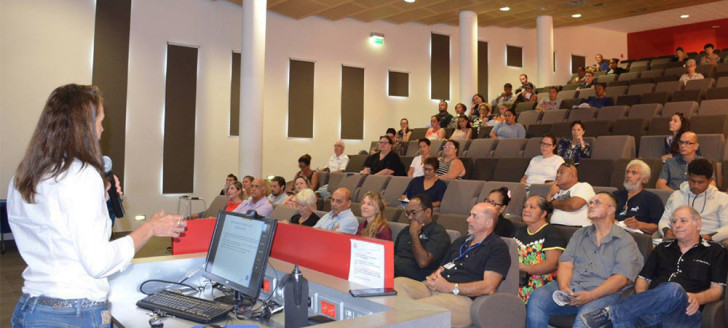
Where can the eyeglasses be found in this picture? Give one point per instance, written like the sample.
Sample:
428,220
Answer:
546,144
412,213
685,143
492,202
448,146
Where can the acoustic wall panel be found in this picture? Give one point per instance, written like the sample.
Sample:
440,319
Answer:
352,102
440,66
300,99
235,96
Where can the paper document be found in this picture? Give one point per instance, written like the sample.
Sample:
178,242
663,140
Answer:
366,266
622,225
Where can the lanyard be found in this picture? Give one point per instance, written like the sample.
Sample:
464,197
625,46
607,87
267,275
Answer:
467,250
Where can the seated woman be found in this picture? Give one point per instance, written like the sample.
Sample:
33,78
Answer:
304,163
508,128
235,196
403,135
527,95
475,105
416,168
680,55
464,131
384,162
498,114
539,246
460,110
300,184
374,225
306,205
692,73
677,125
427,184
542,168
451,167
500,198
435,132
575,148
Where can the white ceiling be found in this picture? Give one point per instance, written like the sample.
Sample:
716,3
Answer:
654,20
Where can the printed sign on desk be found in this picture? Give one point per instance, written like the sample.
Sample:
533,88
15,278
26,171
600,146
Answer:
366,266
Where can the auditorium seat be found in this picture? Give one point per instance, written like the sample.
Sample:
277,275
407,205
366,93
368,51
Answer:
663,194
613,147
537,130
639,65
464,147
628,76
612,112
609,190
583,114
624,64
620,166
618,83
636,127
708,124
481,148
658,126
335,179
688,108
597,128
659,61
454,222
483,169
706,70
713,107
656,98
484,131
687,95
653,73
561,129
607,78
394,190
529,117
569,87
614,92
509,147
642,80
722,82
675,71
374,146
406,161
418,133
712,146
652,146
436,147
323,178
355,163
669,86
518,197
283,213
413,149
647,111
524,106
722,67
460,196
392,213
629,100
640,89
351,182
586,93
533,147
375,183
510,169
540,189
570,103
593,171
567,94
717,93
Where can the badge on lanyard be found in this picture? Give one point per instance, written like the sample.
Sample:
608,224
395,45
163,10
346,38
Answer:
449,265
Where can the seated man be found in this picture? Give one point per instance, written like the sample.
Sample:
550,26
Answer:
257,201
701,195
601,99
568,197
588,82
338,161
340,219
474,265
443,114
419,248
551,102
679,277
614,67
277,190
228,181
674,171
505,97
637,207
524,80
598,263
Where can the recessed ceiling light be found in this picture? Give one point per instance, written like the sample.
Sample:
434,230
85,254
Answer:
505,8
409,1
684,16
576,15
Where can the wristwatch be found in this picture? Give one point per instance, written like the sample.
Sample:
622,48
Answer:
456,290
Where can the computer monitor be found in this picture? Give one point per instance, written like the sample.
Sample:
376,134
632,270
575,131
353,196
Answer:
239,250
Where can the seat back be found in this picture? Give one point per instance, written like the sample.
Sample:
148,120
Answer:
640,89
613,147
483,169
615,91
509,147
713,107
685,107
413,148
529,117
510,169
663,194
656,98
334,180
675,71
533,147
668,86
554,116
652,146
375,183
524,106
394,190
510,283
283,213
659,126
481,148
629,100
567,94
454,222
708,124
607,78
592,171
518,196
352,182
712,146
647,111
611,112
218,204
356,162
687,95
586,93
583,114
717,93
460,196
703,84
628,76
418,133
653,73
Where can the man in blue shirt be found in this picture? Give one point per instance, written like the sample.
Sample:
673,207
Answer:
340,219
601,99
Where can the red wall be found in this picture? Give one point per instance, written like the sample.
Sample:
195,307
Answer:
691,37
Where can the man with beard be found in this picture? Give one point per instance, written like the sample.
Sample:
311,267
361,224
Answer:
637,207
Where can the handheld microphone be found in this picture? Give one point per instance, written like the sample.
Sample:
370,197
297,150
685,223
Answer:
113,194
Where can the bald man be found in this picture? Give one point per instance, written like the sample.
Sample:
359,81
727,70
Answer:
474,265
257,201
675,170
338,161
340,219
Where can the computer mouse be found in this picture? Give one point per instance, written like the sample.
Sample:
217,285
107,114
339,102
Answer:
156,322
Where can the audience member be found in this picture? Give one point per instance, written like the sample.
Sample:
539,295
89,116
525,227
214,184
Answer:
505,97
464,131
601,99
304,164
588,81
300,184
338,161
340,219
579,78
228,180
384,162
614,67
247,180
527,95
601,64
306,206
460,110
500,198
428,184
443,114
710,57
476,101
711,203
539,246
551,102
416,168
451,167
575,148
569,197
257,201
523,78
691,74
680,55
498,115
474,265
674,170
420,246
508,128
435,132
396,144
638,208
542,168
679,277
235,196
599,262
277,190
678,125
404,133
374,225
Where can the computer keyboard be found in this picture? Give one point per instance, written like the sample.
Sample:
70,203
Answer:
185,307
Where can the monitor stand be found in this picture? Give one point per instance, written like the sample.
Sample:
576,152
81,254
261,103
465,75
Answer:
241,304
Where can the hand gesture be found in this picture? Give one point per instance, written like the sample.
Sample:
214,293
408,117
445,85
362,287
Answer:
166,225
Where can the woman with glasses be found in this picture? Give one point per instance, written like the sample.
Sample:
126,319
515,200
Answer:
508,128
427,184
435,132
575,148
374,225
500,198
539,246
677,125
542,168
305,201
451,167
385,161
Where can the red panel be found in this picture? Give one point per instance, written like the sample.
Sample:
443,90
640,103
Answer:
691,37
196,237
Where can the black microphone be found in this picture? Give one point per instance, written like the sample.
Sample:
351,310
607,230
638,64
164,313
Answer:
113,194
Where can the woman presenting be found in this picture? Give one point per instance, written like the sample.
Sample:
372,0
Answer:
57,211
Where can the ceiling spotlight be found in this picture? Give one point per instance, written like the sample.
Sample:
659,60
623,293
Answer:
409,1
505,8
684,16
576,15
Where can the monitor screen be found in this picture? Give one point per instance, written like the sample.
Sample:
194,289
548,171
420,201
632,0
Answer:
239,250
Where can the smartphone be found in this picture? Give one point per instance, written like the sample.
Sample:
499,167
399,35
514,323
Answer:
371,292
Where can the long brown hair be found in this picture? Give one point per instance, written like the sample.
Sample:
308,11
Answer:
66,131
379,223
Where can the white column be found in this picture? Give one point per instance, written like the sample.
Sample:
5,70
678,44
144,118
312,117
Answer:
468,56
250,157
545,57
